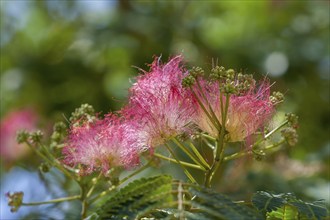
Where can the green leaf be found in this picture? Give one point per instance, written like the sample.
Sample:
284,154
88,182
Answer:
274,204
314,210
213,205
265,201
138,198
286,212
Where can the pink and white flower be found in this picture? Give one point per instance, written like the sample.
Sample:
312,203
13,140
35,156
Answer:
246,112
102,145
160,104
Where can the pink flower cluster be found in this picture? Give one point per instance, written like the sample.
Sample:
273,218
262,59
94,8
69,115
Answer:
15,121
101,144
158,109
158,101
246,112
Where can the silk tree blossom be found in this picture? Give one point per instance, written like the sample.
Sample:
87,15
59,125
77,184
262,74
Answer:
247,112
25,119
102,145
159,103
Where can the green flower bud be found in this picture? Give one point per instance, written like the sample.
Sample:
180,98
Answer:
293,120
85,111
15,200
196,71
290,135
218,72
188,81
59,132
259,155
276,98
59,127
36,136
229,88
230,74
44,167
22,136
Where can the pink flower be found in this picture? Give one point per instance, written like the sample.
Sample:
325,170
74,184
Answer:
246,112
15,121
159,104
102,145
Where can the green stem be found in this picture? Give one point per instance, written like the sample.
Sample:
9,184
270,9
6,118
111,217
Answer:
276,129
187,152
183,163
83,200
209,105
217,161
52,162
199,156
84,209
208,137
208,143
103,193
243,202
59,146
89,193
179,162
221,109
220,145
39,153
243,153
205,111
270,133
269,147
65,199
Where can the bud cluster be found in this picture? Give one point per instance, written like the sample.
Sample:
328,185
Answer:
84,114
290,133
293,120
188,81
15,200
276,98
230,81
196,72
29,137
59,133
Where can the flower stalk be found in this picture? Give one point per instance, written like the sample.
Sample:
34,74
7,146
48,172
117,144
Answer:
220,144
245,153
190,177
188,153
59,200
182,162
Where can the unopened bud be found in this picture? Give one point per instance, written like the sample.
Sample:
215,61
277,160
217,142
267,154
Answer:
59,127
44,167
290,135
229,88
293,120
259,155
230,74
82,114
36,136
218,72
196,71
22,136
188,81
15,200
276,98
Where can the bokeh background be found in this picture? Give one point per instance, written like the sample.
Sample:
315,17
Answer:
57,54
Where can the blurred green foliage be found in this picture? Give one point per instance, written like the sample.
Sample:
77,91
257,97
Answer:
56,55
